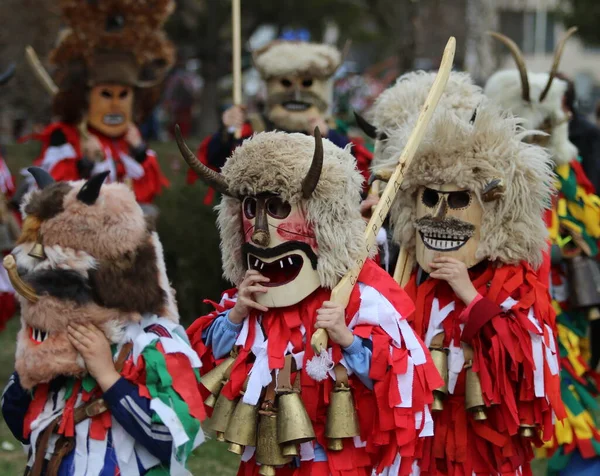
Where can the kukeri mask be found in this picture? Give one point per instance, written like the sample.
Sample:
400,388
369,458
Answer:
448,224
281,245
111,108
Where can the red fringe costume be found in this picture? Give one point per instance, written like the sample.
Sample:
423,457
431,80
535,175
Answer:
61,161
510,327
8,302
392,417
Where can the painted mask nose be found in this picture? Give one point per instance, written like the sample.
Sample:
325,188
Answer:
261,237
442,209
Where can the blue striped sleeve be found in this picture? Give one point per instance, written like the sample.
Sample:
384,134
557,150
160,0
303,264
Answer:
358,357
134,414
15,402
221,335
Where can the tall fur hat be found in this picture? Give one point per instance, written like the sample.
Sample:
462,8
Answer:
277,162
535,97
396,106
473,154
281,58
102,264
114,41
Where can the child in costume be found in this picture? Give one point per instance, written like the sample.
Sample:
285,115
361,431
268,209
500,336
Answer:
470,214
574,225
109,63
105,380
290,229
298,77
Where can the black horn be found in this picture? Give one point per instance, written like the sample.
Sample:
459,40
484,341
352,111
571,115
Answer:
209,177
314,173
42,178
9,73
365,126
91,189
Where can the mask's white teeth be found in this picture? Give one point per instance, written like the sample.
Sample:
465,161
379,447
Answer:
290,260
256,263
281,263
262,265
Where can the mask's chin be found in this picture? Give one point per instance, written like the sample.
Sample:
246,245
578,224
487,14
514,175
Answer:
291,278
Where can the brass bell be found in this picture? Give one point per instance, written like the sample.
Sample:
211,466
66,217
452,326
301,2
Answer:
268,451
474,395
37,251
527,431
222,413
342,421
293,423
241,431
214,380
440,360
584,281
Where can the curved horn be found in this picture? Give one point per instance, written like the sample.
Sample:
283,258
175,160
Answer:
91,189
42,178
557,55
9,73
209,177
314,173
518,57
365,126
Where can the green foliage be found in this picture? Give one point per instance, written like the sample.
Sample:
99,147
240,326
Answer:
584,14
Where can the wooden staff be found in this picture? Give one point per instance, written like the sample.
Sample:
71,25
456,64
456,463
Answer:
403,268
236,28
341,293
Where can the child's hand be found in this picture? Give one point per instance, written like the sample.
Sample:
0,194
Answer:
246,301
94,347
332,318
456,274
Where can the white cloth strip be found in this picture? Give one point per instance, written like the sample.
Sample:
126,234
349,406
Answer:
171,420
80,458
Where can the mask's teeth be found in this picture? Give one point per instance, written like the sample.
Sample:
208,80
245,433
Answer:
262,265
281,263
256,262
290,260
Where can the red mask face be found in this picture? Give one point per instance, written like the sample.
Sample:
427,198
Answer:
281,245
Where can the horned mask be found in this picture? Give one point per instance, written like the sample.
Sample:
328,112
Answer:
85,254
298,82
289,210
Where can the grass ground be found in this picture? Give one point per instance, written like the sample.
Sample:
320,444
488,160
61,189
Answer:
191,249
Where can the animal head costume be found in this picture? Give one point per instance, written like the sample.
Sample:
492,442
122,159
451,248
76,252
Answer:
398,105
85,255
298,81
111,49
537,98
463,194
290,210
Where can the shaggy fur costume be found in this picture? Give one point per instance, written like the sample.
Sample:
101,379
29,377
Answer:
504,88
277,162
109,258
281,58
403,101
471,155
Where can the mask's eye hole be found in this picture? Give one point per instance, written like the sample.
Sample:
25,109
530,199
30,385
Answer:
249,207
307,83
105,93
430,197
286,83
458,200
123,94
277,208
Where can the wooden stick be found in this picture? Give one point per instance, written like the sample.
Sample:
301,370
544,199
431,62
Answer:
236,28
403,268
40,72
341,293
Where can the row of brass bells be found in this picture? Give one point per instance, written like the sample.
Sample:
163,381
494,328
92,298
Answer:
293,423
342,421
474,402
214,380
268,451
241,432
440,360
221,417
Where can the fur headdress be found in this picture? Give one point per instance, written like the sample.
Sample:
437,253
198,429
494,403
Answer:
281,58
396,106
535,97
277,162
114,41
472,154
102,264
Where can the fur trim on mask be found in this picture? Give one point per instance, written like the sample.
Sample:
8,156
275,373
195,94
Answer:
504,88
277,162
281,58
471,156
402,102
